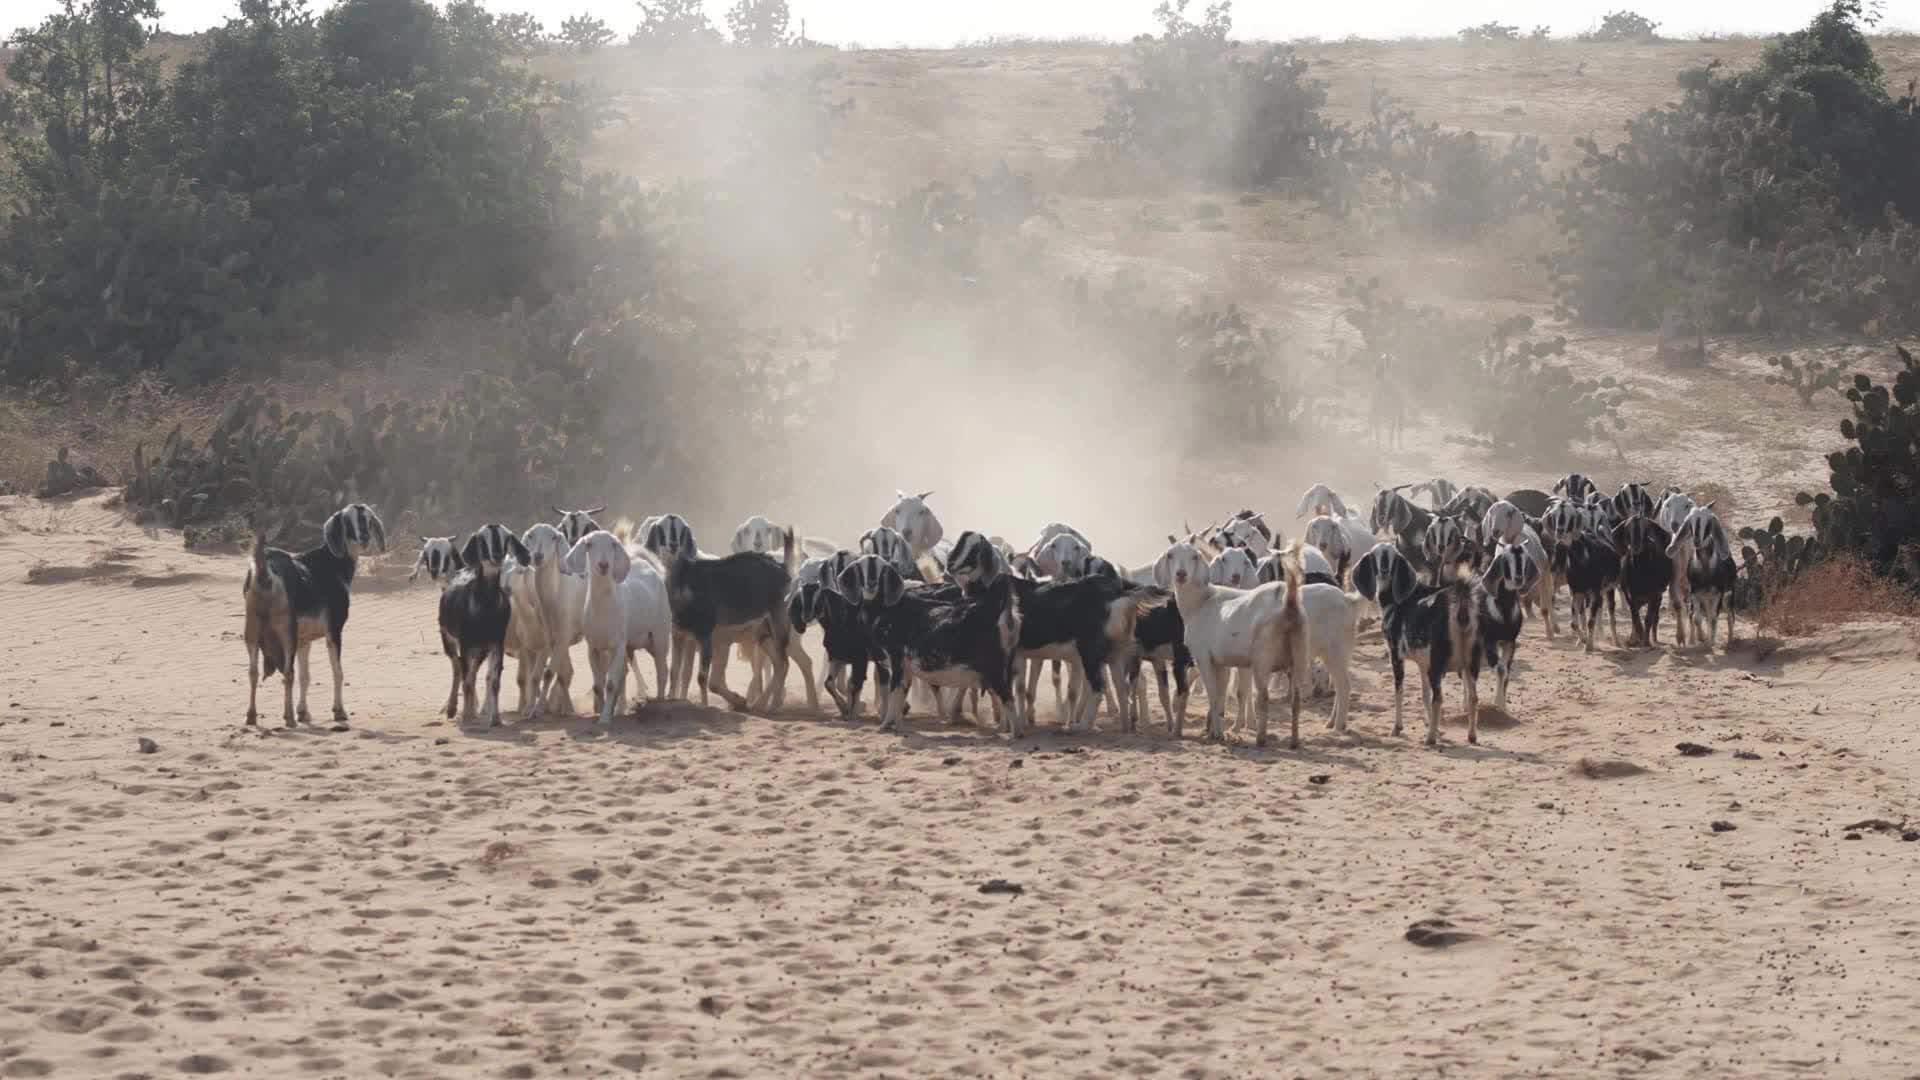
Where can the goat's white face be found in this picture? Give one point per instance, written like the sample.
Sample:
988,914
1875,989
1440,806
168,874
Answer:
574,524
437,557
1503,522
1326,534
916,524
759,534
601,556
354,530
1064,557
1234,569
1320,500
1185,564
1673,511
546,544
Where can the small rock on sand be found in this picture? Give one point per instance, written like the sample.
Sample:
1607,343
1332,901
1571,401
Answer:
147,746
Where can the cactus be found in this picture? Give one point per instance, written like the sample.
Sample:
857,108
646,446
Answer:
1873,510
1807,380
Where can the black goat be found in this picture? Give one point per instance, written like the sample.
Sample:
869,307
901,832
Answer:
1591,569
1646,571
294,600
736,593
474,613
844,638
1504,586
1436,627
939,635
1090,621
1160,638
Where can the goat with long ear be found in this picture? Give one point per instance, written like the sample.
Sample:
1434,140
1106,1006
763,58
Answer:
574,524
293,600
438,558
1320,500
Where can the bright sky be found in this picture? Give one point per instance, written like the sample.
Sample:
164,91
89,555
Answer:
877,23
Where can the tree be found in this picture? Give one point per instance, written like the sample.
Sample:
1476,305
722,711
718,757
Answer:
760,24
584,33
674,22
79,87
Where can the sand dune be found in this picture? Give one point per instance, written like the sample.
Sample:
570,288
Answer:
704,893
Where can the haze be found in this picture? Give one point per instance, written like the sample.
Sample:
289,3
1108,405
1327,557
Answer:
881,23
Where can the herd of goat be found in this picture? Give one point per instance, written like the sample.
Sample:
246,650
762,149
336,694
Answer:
1451,584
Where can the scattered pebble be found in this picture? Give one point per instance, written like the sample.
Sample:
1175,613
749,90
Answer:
1543,806
442,741
1318,778
1690,749
1910,835
1723,826
1851,836
950,760
1746,755
147,746
712,1006
1017,763
1002,887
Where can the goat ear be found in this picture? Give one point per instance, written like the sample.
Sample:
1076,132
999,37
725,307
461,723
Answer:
1403,580
1339,508
1365,579
519,551
379,531
470,551
335,533
576,560
892,585
622,563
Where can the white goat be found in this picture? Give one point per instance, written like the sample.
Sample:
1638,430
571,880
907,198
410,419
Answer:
914,521
626,611
563,599
1672,516
1262,629
1320,500
527,639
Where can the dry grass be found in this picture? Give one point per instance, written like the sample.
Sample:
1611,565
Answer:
1840,589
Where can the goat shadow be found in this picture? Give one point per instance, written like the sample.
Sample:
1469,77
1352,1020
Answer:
656,723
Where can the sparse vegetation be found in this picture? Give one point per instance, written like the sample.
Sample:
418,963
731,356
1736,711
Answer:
1807,380
1837,590
1623,26
1493,30
1778,198
584,33
760,24
1872,511
674,23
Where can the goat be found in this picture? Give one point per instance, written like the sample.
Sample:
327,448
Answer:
1088,622
1444,548
1233,568
843,635
890,545
1435,626
626,611
1591,568
953,642
1330,537
438,558
1545,587
292,600
1633,499
528,640
1510,577
1246,529
1439,492
563,599
736,592
574,524
474,613
758,534
914,521
1159,638
1501,523
1263,629
1703,543
1312,565
1575,486
1531,501
1319,501
1646,573
1404,523
1672,516
1064,555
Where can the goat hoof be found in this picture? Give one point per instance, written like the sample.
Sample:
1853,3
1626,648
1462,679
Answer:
253,717
339,715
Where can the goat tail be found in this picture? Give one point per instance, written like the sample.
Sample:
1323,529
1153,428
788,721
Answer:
623,530
260,556
1294,614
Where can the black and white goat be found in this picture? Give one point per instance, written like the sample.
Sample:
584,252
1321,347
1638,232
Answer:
893,547
1395,519
1445,549
1575,486
1646,573
1702,546
952,642
1511,575
474,613
293,600
1435,627
1089,624
574,524
1633,499
438,558
1672,516
1159,638
1591,568
745,593
843,632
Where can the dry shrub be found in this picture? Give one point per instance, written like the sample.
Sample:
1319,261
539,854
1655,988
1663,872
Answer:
1839,589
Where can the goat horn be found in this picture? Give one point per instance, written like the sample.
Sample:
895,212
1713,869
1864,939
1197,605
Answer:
924,495
557,510
596,510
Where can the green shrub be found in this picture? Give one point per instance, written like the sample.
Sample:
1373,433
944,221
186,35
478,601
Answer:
1778,198
1872,511
1489,31
760,24
1809,379
584,33
1623,26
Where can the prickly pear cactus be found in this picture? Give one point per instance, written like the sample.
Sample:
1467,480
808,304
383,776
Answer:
1874,508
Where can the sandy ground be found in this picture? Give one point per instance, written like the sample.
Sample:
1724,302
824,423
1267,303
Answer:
705,893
